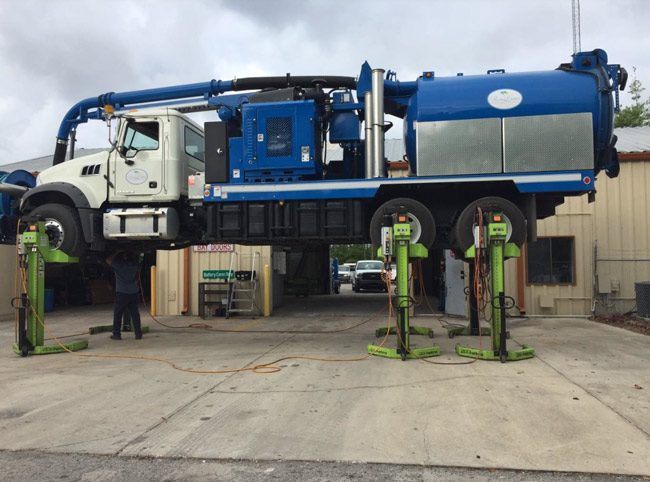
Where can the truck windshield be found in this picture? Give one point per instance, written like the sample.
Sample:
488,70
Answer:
369,265
141,136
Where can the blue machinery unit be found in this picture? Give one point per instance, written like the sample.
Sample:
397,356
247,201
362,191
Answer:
12,183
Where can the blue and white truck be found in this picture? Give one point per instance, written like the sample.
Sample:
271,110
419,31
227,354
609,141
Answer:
259,173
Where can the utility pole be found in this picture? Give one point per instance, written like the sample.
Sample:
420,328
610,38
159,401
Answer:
575,17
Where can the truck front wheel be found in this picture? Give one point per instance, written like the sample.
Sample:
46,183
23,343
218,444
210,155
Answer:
62,226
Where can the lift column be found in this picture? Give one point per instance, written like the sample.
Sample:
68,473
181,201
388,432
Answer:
495,245
35,252
397,240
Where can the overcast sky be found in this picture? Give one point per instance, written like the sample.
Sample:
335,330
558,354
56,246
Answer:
54,53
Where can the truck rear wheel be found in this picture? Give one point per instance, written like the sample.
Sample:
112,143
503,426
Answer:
463,231
62,226
423,226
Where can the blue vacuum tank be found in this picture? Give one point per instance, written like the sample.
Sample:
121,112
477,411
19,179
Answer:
515,122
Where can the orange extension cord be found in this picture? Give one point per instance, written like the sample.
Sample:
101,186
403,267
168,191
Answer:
263,368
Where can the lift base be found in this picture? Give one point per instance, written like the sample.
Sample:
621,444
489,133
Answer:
425,352
453,331
413,330
94,330
50,349
511,355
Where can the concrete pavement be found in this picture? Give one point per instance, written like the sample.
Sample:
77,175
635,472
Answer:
574,407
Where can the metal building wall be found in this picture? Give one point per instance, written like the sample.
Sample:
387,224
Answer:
169,279
574,218
8,260
612,247
622,227
169,282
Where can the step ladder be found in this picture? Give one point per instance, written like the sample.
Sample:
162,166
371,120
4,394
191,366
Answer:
244,269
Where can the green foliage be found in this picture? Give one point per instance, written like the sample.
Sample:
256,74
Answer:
350,253
637,114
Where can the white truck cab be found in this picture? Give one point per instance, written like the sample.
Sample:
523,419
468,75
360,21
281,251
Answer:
136,190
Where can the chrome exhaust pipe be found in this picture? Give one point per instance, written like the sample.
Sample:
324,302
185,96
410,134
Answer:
370,165
378,122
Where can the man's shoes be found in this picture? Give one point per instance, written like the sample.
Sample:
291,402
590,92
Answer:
116,337
138,336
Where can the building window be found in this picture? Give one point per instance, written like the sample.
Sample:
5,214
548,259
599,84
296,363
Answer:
551,261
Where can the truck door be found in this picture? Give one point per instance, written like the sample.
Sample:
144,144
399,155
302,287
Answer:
193,151
138,170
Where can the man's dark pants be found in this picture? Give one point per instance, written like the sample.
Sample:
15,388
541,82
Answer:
126,302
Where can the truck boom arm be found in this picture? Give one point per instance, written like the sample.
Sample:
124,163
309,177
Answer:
83,110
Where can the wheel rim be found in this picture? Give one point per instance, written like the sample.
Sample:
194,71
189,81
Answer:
508,227
55,232
416,227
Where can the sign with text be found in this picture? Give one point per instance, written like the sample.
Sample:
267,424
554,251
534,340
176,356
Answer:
214,248
224,274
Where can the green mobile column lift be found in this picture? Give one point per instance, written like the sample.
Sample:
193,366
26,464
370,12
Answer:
397,236
34,254
498,250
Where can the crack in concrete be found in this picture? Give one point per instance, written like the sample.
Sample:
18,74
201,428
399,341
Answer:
197,398
588,392
348,389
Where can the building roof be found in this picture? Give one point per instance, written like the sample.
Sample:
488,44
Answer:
42,163
633,139
630,140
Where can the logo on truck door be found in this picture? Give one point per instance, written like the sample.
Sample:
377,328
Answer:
136,176
504,99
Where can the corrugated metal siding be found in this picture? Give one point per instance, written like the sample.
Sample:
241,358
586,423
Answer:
169,290
204,261
169,282
8,260
612,244
573,218
623,235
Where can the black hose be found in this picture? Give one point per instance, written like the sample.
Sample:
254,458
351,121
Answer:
255,83
59,151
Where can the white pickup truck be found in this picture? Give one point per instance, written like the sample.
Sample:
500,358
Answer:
369,275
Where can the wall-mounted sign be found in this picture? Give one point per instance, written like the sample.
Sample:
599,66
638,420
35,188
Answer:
222,274
214,248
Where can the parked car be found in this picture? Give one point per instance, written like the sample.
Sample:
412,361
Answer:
368,276
344,274
352,266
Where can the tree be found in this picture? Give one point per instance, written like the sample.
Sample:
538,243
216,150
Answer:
637,114
351,253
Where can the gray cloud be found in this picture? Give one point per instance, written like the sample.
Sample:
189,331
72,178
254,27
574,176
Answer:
56,53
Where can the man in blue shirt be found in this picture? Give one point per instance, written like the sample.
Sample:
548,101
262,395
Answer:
126,267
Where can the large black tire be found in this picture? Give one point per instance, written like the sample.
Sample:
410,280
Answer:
62,226
463,231
418,212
